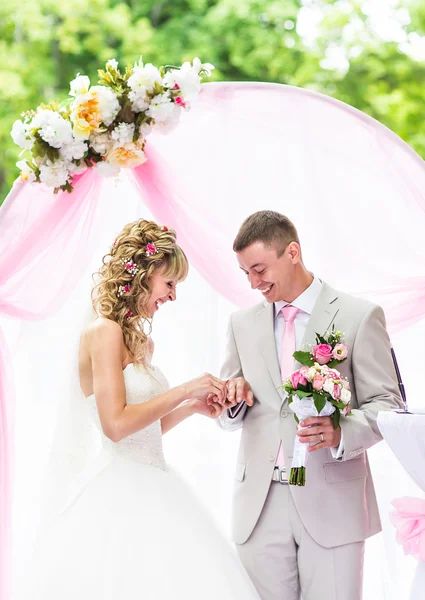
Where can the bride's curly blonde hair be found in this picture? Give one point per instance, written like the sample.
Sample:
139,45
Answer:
128,308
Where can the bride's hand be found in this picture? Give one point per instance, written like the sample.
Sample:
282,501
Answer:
204,386
212,410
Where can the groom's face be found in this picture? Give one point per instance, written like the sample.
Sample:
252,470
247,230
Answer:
266,272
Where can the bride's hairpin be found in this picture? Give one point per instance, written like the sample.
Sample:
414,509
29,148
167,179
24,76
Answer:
151,249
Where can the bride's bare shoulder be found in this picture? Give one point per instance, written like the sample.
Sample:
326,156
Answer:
102,330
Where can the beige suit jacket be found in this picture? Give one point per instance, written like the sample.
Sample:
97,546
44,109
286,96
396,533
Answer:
338,504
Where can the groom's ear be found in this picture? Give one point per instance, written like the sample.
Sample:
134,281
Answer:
294,252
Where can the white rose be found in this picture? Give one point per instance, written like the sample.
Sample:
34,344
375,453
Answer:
345,395
108,103
54,174
329,387
161,108
144,78
123,133
52,128
101,143
79,86
21,136
75,150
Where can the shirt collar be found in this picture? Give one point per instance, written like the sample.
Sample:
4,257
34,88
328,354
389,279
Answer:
305,301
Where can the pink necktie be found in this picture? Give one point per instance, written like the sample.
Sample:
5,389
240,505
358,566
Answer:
286,359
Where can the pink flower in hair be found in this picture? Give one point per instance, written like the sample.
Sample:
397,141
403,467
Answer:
131,267
151,249
164,228
123,289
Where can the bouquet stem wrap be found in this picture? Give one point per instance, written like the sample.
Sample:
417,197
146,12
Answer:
304,408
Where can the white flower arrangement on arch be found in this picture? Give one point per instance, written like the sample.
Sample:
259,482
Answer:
104,126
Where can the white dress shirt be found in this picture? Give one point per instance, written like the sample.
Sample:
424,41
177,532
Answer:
305,303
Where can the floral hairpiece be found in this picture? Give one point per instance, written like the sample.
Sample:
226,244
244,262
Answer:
130,266
124,289
151,249
164,228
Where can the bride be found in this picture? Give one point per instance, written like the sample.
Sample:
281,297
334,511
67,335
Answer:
131,528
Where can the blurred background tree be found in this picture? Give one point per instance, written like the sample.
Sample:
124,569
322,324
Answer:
367,53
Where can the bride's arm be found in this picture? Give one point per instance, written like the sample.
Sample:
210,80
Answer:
117,418
189,408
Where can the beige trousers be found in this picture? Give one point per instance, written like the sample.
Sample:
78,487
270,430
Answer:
283,561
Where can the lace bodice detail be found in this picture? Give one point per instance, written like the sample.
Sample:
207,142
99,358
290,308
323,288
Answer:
145,446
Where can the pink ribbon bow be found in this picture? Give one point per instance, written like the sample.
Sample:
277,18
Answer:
409,521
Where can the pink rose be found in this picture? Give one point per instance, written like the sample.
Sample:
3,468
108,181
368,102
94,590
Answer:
340,351
336,394
322,353
305,372
298,378
333,374
318,382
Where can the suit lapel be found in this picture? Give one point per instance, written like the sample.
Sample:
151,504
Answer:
267,343
321,319
323,315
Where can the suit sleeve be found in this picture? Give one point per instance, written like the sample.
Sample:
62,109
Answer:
375,383
232,419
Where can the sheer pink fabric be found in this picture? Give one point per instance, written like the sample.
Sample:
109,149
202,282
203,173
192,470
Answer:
44,243
355,191
409,520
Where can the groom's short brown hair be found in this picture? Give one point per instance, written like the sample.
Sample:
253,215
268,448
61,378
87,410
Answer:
269,227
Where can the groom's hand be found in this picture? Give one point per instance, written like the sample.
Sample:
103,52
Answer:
238,390
320,432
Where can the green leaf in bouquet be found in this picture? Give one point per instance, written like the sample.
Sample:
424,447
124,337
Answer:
339,405
303,388
302,394
336,416
332,364
319,401
320,339
157,89
304,358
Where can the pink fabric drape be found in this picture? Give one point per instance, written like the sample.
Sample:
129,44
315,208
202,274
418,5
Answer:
355,191
409,520
44,244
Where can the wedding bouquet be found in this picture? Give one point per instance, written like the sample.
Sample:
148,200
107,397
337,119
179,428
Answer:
104,125
317,389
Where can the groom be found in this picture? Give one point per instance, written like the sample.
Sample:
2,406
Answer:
310,539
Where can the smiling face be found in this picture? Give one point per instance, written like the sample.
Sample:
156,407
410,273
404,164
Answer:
163,289
276,277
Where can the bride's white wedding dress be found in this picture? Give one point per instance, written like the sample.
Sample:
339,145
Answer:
134,529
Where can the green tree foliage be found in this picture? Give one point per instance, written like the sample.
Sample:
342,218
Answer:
337,47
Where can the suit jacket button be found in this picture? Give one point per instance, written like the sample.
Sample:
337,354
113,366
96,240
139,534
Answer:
272,457
283,413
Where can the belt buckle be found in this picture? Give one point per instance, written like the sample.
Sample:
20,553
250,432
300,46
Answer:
279,475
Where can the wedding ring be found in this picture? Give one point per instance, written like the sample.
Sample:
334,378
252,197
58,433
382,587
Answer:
321,437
